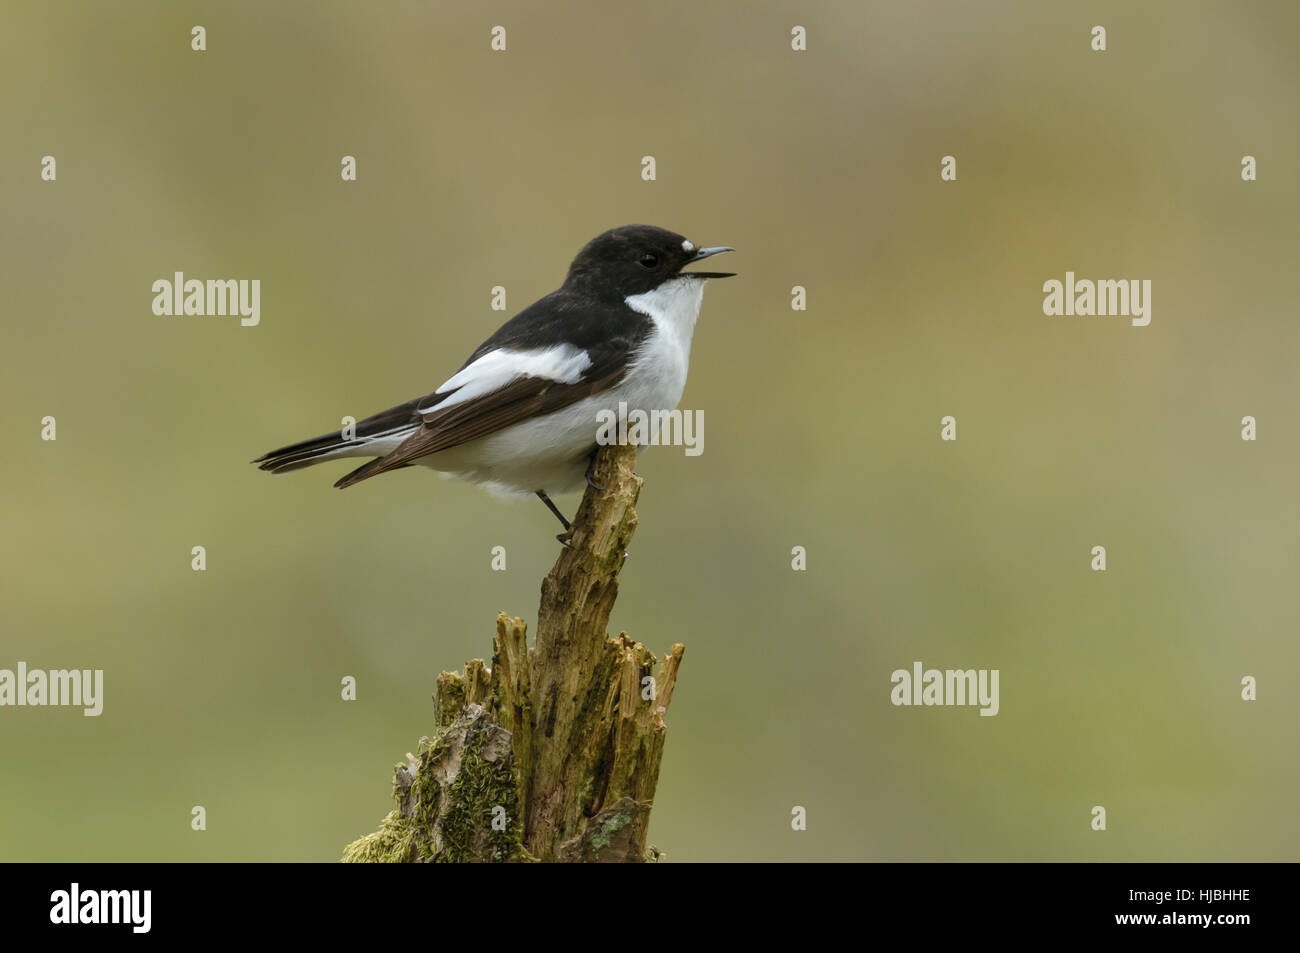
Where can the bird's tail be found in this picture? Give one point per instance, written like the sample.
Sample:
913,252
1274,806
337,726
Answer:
367,470
295,456
372,437
333,446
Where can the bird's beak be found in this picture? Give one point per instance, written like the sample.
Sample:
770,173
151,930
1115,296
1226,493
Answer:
704,253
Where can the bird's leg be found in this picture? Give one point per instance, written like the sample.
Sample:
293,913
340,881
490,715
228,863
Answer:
591,470
568,527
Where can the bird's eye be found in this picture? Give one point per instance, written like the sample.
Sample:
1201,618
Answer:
649,260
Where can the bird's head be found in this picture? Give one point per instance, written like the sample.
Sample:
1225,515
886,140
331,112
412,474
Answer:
635,259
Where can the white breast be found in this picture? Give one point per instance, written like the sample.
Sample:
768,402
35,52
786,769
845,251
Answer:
658,374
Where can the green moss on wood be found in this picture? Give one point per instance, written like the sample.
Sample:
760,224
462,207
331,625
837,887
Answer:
392,844
600,840
481,786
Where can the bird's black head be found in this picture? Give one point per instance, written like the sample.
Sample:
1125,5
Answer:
634,259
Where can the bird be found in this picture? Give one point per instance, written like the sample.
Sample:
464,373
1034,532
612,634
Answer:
521,415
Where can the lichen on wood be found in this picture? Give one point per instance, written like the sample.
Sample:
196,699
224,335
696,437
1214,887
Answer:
551,753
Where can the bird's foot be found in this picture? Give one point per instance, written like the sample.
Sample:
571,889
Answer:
591,469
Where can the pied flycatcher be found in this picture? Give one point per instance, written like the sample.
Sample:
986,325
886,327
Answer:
521,414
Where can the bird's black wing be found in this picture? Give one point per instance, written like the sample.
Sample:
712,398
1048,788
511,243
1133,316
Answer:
607,334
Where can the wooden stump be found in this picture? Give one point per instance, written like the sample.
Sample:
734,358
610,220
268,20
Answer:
553,753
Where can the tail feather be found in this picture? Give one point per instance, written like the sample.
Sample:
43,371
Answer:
306,452
367,470
331,446
373,437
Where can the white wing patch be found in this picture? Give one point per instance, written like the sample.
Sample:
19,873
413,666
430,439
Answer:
563,363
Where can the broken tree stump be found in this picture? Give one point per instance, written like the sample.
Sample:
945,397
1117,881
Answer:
553,752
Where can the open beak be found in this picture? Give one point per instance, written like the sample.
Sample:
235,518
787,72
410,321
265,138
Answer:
704,253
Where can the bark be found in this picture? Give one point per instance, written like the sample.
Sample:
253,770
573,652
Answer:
553,752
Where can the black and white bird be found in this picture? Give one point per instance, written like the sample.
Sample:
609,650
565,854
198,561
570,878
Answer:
522,413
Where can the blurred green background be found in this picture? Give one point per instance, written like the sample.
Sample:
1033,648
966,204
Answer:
822,427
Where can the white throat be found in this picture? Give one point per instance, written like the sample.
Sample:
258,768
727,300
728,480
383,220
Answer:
674,307
659,367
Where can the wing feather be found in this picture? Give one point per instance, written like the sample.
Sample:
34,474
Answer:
520,400
525,370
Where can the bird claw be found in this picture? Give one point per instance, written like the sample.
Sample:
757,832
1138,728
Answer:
591,467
